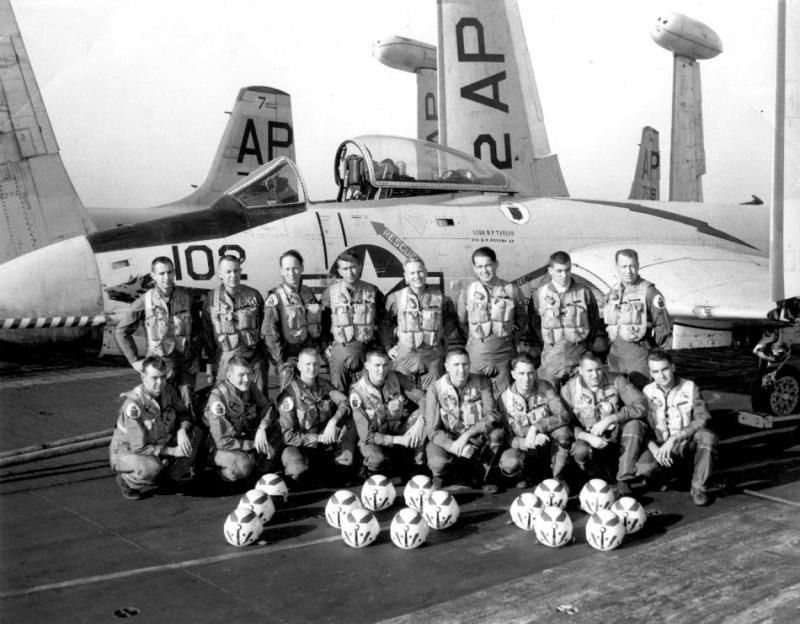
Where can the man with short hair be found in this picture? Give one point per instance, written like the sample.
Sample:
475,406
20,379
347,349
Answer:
419,317
609,423
636,319
388,411
566,319
292,318
244,438
677,415
154,441
171,320
494,316
538,423
315,422
233,315
352,315
464,426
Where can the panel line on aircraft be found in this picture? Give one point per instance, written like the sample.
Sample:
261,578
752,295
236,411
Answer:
324,244
341,225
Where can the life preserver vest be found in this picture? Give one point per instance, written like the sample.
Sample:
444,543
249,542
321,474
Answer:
158,421
419,319
459,414
564,316
625,311
490,309
235,324
590,406
524,412
167,333
381,411
673,413
241,414
311,413
301,314
352,314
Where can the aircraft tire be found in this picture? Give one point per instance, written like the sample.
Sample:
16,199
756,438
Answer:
781,398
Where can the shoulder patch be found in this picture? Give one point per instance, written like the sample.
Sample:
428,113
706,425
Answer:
272,300
287,405
355,401
132,410
658,302
217,408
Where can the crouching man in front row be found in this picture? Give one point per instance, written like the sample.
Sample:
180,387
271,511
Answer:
315,422
236,414
388,411
677,416
464,426
154,442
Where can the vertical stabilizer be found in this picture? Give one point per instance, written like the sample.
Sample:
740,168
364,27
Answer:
687,152
38,204
647,178
258,130
488,101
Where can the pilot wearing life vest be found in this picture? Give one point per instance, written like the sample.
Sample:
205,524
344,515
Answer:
233,315
566,319
292,318
171,321
493,314
464,426
636,320
538,422
677,417
608,424
388,411
352,317
418,319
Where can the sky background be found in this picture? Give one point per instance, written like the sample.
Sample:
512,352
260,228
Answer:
136,90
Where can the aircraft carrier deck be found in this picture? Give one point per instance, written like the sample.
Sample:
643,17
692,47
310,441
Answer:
72,550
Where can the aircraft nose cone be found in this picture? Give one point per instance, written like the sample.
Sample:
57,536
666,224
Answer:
60,280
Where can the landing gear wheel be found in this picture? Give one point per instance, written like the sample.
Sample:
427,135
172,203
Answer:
780,398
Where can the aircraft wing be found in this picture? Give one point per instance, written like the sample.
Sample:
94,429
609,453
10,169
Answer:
699,283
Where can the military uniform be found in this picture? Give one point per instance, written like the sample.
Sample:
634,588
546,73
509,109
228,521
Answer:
637,321
171,325
382,413
292,322
617,397
351,321
146,425
450,412
304,412
567,323
419,323
233,418
543,411
680,413
233,325
495,320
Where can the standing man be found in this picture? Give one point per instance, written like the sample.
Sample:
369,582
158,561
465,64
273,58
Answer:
315,421
567,319
388,410
609,429
419,317
464,426
236,415
292,318
493,314
538,422
171,320
154,440
352,317
636,320
233,315
677,416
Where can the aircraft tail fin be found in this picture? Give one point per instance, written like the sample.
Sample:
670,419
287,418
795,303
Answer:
38,201
488,101
687,150
647,178
258,130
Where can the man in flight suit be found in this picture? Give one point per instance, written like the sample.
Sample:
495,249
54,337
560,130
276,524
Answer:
292,318
493,314
636,320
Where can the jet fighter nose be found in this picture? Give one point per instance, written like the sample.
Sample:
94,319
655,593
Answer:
48,286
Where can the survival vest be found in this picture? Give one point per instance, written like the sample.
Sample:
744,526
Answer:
235,323
459,411
625,312
352,313
419,319
564,316
300,312
159,421
590,406
522,412
167,333
672,413
381,411
241,414
313,411
490,309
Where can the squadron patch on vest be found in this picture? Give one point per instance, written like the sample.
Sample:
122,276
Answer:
355,401
271,301
132,410
148,424
658,302
217,408
287,405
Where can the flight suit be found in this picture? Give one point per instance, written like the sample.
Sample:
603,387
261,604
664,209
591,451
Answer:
617,397
352,317
382,413
304,412
172,327
450,412
543,410
419,324
637,321
233,417
233,325
145,426
680,413
292,322
495,320
567,324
